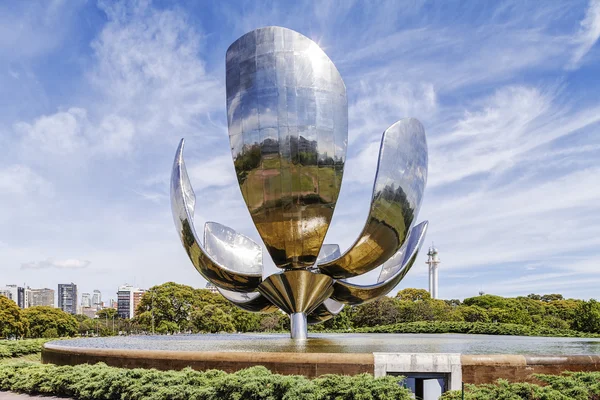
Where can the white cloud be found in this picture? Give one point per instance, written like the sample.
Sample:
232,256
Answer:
588,34
22,182
58,264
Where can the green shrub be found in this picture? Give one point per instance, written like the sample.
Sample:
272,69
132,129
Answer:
17,348
480,328
102,382
568,386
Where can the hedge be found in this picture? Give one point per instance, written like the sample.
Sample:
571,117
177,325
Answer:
480,328
102,382
568,386
17,348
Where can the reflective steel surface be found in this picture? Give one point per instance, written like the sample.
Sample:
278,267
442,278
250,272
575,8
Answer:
287,117
329,309
353,294
183,201
288,121
297,291
254,301
399,185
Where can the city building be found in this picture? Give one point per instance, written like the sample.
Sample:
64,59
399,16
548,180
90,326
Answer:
89,311
137,298
86,300
211,287
128,298
40,297
97,300
433,261
6,293
16,294
67,297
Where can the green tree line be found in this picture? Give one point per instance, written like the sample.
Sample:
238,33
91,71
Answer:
175,308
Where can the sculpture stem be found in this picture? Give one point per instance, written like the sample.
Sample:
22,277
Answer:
299,326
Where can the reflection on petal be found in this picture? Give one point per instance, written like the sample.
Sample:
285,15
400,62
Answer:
329,309
254,301
288,130
182,206
297,291
349,293
397,195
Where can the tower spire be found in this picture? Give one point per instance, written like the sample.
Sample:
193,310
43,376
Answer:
433,261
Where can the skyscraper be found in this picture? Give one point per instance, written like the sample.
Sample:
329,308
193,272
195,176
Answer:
97,299
16,294
41,297
67,297
128,297
86,300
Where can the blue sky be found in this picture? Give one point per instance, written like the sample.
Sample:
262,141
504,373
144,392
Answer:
94,97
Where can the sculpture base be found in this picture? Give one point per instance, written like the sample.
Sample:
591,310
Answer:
298,326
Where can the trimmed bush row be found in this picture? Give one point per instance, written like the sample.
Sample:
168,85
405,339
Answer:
481,328
17,348
102,382
568,386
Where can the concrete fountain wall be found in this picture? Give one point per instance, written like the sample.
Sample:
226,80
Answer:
456,367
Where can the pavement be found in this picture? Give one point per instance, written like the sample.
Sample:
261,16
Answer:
17,396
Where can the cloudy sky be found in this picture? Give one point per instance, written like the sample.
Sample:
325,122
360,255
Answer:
94,97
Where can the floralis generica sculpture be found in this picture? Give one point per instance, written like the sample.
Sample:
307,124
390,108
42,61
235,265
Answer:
288,128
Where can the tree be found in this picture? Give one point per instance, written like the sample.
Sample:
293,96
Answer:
474,314
434,310
275,321
412,294
552,297
486,301
42,319
86,325
588,317
383,311
107,313
212,319
12,322
342,321
172,302
245,321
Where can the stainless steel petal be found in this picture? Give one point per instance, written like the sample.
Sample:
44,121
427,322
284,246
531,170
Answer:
288,122
328,252
329,309
397,193
352,294
254,302
182,206
227,247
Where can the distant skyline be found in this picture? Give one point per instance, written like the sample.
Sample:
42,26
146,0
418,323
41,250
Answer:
94,97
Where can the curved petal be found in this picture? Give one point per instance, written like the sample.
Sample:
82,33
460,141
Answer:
287,117
349,293
328,252
254,301
183,202
397,194
227,247
329,309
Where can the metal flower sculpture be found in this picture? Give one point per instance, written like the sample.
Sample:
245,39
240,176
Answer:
288,129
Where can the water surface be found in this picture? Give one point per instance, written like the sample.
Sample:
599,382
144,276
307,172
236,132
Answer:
348,343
